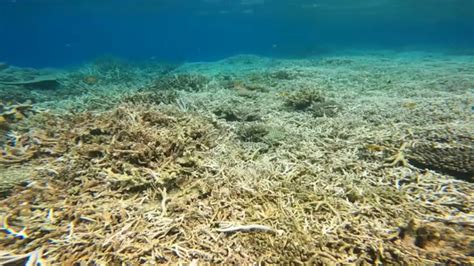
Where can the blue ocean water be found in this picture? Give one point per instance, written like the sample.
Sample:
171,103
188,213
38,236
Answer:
41,33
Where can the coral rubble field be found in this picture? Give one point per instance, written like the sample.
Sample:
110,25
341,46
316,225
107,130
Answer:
362,159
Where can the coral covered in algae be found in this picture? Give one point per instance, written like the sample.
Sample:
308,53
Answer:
131,148
15,112
447,152
11,114
303,98
151,97
133,141
253,132
181,81
10,177
206,166
325,108
312,101
440,238
233,112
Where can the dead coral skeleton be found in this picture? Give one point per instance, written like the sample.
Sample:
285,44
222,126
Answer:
152,183
33,258
398,159
232,228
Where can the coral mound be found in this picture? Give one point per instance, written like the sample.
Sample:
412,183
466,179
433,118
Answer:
446,152
450,238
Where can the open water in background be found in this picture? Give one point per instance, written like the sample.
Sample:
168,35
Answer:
44,33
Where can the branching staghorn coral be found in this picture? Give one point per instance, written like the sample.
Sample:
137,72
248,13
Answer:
147,183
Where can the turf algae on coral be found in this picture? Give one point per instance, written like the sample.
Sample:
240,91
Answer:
446,151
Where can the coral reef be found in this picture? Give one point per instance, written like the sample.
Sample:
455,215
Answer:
254,132
181,81
41,83
3,66
450,238
151,97
107,71
302,99
324,108
283,75
13,113
19,85
127,149
445,151
11,177
337,61
29,78
200,164
249,90
134,141
311,100
233,111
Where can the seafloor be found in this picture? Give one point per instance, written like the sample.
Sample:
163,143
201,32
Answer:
355,159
